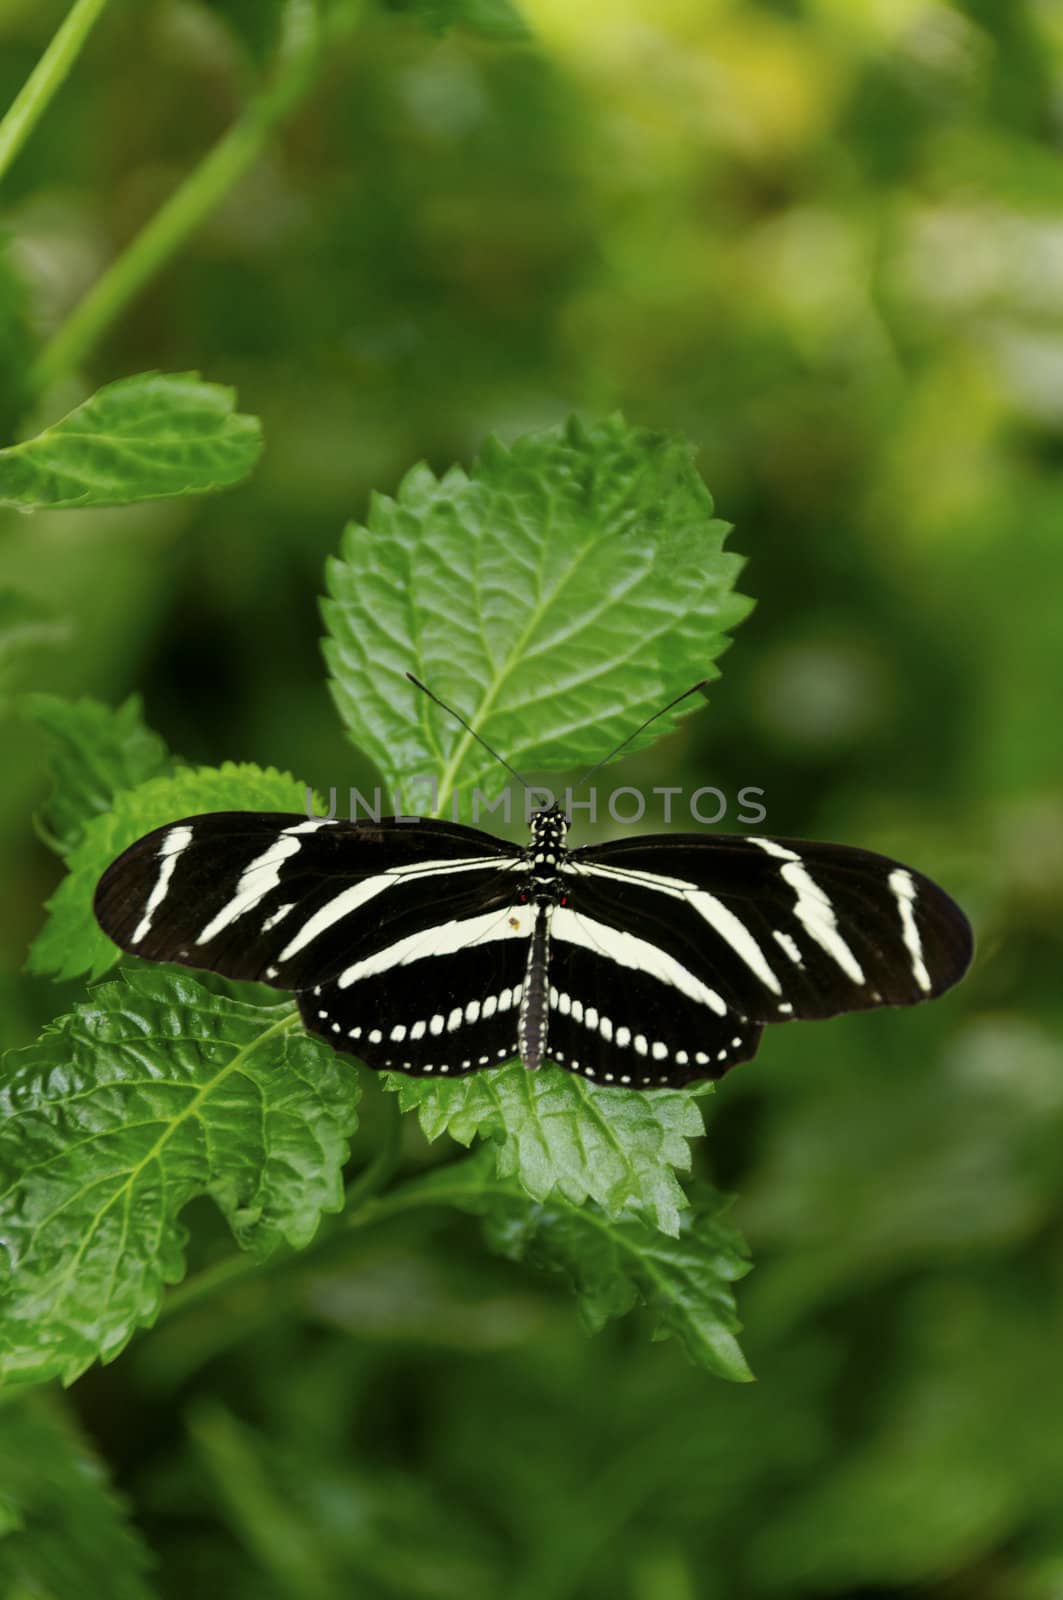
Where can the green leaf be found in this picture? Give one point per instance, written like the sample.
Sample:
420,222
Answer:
26,626
615,1263
555,1133
71,941
64,1533
143,438
557,596
152,1092
493,19
101,750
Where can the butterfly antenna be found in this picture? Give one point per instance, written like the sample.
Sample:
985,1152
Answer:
694,689
479,739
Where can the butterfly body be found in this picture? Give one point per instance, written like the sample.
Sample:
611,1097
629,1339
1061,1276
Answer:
434,949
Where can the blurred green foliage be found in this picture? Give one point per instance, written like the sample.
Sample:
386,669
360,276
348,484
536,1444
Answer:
822,238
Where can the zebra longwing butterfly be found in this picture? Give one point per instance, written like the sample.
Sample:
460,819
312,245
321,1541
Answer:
435,949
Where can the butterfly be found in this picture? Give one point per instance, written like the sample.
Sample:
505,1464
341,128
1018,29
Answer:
430,948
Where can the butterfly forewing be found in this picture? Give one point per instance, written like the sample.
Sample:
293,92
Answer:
780,929
292,902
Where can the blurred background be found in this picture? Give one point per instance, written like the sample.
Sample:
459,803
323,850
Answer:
824,240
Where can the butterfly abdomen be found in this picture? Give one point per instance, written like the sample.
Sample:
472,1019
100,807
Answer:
543,889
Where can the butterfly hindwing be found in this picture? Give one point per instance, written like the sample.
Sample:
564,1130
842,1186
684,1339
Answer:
644,1024
445,1011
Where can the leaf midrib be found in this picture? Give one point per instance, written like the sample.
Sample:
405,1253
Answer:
505,671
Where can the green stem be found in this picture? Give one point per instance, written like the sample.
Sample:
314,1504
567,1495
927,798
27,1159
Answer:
232,1270
46,77
382,1168
372,1208
190,204
45,835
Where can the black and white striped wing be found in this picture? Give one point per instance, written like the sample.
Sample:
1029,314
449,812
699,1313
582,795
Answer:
298,904
780,928
770,929
434,1007
623,1010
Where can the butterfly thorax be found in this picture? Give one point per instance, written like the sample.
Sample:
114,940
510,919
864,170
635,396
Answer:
545,854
